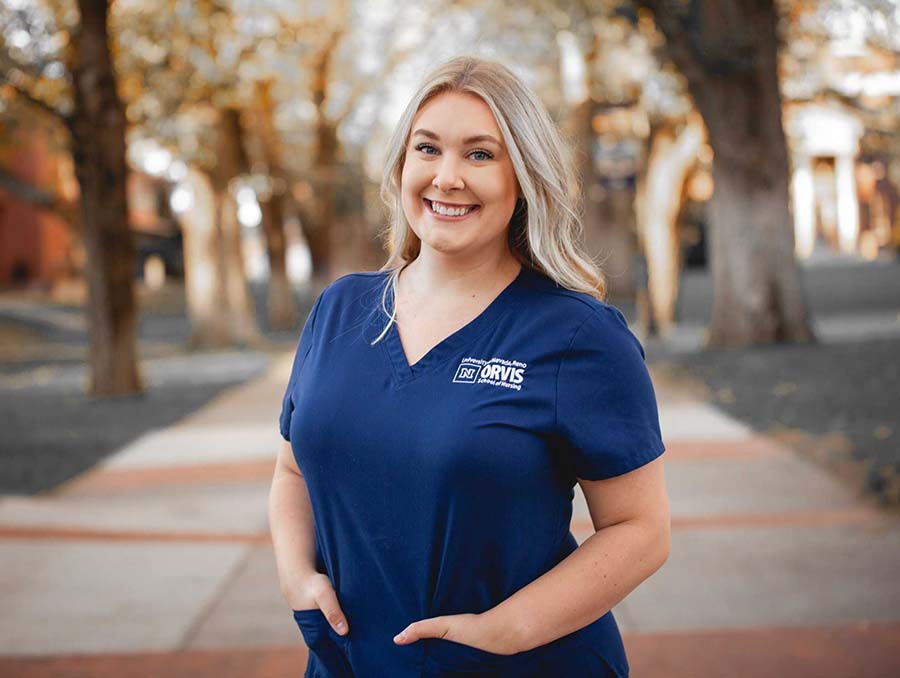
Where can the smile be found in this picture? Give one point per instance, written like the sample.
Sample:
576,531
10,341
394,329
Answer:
449,211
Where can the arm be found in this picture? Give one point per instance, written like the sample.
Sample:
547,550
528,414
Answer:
294,542
630,513
291,525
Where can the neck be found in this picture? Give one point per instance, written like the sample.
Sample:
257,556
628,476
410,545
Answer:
436,273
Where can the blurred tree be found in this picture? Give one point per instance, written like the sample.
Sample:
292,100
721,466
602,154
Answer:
727,51
345,80
830,50
633,111
239,324
319,221
179,71
580,48
672,154
274,209
291,71
97,126
675,135
87,103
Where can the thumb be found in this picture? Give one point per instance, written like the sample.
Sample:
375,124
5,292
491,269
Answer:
435,627
331,608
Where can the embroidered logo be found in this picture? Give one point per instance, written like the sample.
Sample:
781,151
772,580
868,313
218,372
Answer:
496,371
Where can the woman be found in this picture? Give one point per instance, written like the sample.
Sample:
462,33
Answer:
440,411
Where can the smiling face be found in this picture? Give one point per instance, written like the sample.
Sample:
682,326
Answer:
458,187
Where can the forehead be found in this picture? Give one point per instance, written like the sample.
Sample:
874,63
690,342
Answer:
457,115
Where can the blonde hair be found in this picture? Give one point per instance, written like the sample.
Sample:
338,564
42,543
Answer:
545,228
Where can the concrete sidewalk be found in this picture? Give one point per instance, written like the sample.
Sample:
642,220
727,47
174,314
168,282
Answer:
158,561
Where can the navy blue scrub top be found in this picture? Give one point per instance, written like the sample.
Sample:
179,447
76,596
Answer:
446,486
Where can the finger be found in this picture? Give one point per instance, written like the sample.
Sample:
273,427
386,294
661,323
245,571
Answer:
331,608
427,628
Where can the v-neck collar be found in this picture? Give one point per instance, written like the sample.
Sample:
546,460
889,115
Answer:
451,344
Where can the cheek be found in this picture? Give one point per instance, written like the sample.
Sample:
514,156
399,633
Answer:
502,188
410,184
503,197
404,179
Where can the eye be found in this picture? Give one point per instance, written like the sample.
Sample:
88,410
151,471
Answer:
422,147
488,155
485,155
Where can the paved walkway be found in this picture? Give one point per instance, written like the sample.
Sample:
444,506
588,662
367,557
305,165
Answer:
158,563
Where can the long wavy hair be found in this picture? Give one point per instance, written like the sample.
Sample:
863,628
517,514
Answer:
545,231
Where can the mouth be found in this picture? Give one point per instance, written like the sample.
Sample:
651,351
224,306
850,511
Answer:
449,211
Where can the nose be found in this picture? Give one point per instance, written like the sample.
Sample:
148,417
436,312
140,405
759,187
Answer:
448,176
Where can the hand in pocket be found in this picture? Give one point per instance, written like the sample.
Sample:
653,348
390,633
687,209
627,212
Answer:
327,655
317,593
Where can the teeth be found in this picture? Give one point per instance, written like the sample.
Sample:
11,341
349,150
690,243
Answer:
449,211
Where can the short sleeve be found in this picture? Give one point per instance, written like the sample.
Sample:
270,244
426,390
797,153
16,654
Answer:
303,348
606,412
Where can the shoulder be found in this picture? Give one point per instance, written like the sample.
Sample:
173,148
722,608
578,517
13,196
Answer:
577,315
352,286
356,280
350,301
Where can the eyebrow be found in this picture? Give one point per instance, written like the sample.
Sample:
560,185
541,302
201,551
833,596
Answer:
470,140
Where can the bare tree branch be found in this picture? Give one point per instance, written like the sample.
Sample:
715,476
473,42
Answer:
31,70
34,101
395,58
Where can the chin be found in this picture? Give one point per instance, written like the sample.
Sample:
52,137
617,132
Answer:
435,237
444,245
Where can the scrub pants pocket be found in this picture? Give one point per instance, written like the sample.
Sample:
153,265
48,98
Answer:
448,659
327,654
569,656
597,665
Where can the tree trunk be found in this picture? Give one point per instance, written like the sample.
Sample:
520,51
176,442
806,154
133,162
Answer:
608,209
359,246
727,50
318,230
97,126
658,203
317,216
280,302
280,307
219,304
232,161
204,288
616,215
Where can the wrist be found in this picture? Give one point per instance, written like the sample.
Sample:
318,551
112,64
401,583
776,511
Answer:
503,631
297,591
